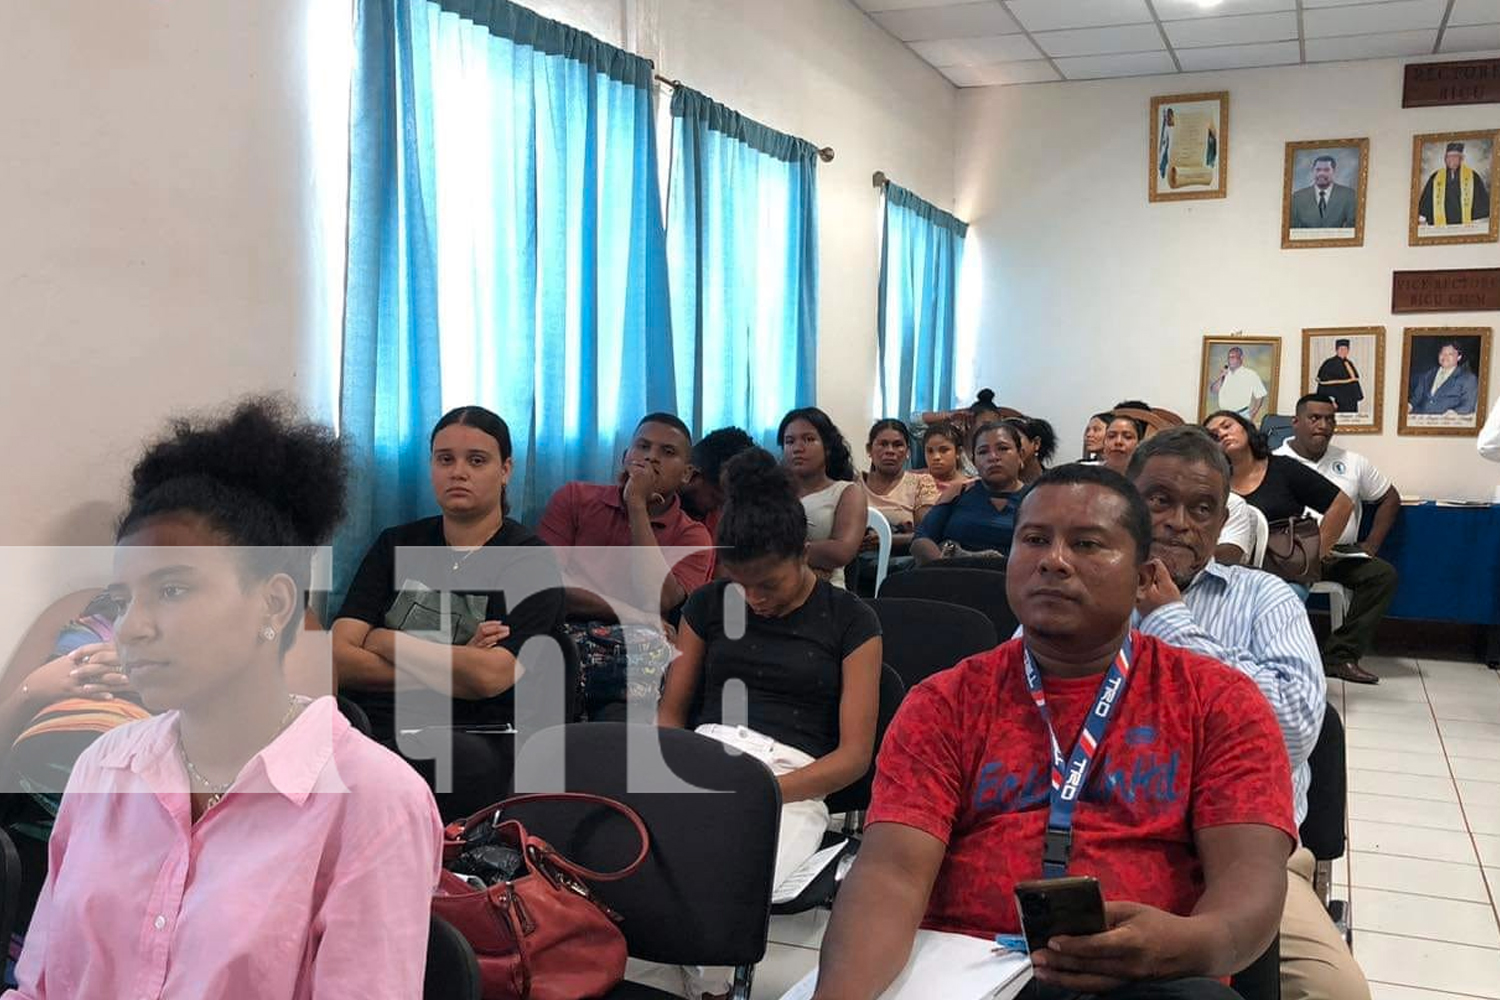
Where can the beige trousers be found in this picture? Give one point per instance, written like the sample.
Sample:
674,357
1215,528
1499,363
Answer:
1315,961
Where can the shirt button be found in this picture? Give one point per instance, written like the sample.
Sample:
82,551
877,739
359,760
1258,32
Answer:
160,922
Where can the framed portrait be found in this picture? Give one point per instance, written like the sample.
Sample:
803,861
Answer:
1347,363
1323,200
1453,188
1444,380
1189,146
1239,374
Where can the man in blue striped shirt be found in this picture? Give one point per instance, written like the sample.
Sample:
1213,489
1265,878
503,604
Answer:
1253,622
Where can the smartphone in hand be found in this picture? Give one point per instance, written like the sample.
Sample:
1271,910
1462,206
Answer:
1049,907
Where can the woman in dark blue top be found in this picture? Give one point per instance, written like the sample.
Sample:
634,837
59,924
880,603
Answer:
979,517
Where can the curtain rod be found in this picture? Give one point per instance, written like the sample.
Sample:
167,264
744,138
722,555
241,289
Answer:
825,154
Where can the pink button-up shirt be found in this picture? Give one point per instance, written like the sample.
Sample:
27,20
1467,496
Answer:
318,886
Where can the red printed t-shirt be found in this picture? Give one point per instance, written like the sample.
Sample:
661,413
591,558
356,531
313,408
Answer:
590,514
967,760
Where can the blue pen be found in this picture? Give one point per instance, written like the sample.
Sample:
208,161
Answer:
1011,942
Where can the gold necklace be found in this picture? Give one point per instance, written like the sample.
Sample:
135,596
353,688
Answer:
216,790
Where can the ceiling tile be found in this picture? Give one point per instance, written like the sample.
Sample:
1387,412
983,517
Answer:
1132,64
1400,43
1172,10
1245,30
1476,38
1004,73
976,51
874,6
1101,41
952,21
1240,56
1475,12
1400,15
1054,15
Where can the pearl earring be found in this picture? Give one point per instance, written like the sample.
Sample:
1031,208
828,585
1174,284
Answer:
267,634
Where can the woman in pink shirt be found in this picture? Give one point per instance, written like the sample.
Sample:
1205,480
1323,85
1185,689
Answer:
243,842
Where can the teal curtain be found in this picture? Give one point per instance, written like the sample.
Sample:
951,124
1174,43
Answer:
742,248
921,254
506,248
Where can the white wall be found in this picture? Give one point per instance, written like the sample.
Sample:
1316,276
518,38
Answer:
1088,293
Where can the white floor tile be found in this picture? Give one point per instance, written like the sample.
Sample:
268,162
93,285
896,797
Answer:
1453,968
1389,991
1398,762
1482,819
1489,849
1480,687
1457,729
1480,793
1404,740
1426,917
1407,786
780,970
1401,689
1392,666
1454,668
1421,722
1493,875
804,930
1381,711
1475,769
1411,841
1428,878
1482,710
1408,812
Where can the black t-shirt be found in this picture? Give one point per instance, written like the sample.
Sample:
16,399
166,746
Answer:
1289,488
792,667
411,603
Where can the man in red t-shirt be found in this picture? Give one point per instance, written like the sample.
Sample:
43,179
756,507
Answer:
1185,817
642,512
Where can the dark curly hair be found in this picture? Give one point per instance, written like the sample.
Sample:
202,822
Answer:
762,515
263,478
838,461
1038,430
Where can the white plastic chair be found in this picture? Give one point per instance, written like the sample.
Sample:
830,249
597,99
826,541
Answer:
1262,536
882,528
1338,601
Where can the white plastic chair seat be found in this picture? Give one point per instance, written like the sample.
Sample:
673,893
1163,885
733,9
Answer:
1338,601
882,529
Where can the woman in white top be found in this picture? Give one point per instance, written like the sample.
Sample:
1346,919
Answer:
817,457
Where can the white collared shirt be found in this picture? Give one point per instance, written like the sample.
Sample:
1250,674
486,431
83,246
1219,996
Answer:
1351,472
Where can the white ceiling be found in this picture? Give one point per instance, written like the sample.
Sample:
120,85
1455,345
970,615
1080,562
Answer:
994,42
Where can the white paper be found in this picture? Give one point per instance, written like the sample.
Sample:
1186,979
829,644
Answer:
949,966
804,873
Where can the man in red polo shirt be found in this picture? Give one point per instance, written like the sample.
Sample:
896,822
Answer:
642,512
1185,809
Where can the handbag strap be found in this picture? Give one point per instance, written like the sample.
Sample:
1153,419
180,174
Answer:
454,834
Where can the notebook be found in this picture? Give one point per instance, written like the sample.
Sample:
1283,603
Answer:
951,966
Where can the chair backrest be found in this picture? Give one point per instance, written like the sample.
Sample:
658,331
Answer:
856,797
452,968
920,638
356,715
1261,979
703,897
1276,428
1262,534
980,589
1327,794
882,528
10,887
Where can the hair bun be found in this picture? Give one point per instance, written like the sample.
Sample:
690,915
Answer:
754,475
986,396
263,449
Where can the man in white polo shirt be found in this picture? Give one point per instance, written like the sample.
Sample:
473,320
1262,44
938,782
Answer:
1371,581
1239,389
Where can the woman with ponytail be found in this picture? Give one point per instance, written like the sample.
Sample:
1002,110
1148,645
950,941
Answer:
239,842
807,657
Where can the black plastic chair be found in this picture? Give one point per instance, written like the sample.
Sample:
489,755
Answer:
1276,428
452,968
1322,832
921,638
358,718
1261,979
980,589
703,897
10,888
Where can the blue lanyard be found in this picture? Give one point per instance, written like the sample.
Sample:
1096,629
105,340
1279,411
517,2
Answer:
1069,775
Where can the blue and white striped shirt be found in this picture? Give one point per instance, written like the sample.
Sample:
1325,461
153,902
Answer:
1254,622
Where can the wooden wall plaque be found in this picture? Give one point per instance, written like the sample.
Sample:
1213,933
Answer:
1473,289
1435,85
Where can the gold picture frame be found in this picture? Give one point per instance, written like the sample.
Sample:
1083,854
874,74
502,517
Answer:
1344,201
1206,145
1366,354
1450,423
1428,153
1261,355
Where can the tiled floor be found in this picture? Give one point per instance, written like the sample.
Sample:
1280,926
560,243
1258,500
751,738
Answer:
1423,871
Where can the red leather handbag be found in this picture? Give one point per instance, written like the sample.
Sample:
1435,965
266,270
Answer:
542,935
